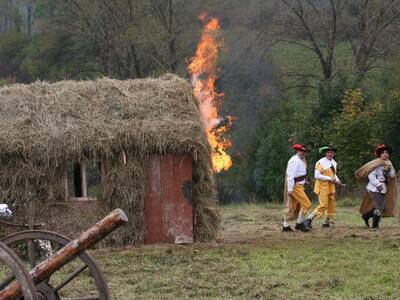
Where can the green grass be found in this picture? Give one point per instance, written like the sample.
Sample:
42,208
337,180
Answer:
346,262
290,57
253,259
351,268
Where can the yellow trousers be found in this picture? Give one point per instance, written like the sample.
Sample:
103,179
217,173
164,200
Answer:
300,197
327,206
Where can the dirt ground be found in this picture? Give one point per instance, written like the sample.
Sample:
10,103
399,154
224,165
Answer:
262,224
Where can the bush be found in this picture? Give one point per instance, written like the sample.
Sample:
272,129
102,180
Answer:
271,159
349,202
11,53
353,135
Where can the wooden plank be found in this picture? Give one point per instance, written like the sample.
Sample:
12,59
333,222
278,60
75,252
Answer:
182,168
168,211
84,184
153,201
167,192
176,173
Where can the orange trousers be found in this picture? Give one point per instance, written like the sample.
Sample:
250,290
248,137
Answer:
327,206
300,197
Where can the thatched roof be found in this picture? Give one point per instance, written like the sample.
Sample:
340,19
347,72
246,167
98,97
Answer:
45,125
49,121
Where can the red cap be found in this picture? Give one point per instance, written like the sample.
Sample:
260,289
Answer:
381,148
299,147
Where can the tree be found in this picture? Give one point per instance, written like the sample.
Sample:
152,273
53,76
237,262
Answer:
315,27
271,159
12,46
167,12
6,12
353,134
106,30
29,6
371,31
389,122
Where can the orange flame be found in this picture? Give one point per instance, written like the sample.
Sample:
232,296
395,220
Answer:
203,72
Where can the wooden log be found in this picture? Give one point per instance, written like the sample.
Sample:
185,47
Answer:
85,241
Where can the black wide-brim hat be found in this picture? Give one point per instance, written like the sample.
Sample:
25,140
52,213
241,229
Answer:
381,148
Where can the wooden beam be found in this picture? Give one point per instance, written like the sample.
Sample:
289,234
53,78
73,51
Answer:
83,179
65,180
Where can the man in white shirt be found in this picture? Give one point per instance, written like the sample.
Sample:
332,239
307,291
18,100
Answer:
297,204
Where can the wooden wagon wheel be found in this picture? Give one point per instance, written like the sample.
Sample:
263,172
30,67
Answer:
54,288
13,262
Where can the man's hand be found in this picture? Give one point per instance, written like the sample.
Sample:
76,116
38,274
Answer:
290,193
338,182
387,168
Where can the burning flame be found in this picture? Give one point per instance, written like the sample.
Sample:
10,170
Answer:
203,72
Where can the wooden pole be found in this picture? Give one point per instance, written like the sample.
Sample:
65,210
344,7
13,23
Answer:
74,248
84,180
65,181
31,247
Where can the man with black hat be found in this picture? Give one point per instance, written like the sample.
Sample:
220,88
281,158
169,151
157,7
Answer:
380,197
325,187
296,201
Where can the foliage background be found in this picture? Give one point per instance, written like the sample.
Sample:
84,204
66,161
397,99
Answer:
274,81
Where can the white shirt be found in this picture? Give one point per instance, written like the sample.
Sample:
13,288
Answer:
326,164
376,179
296,167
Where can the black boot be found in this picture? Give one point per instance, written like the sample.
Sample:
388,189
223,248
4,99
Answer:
375,221
368,215
300,226
286,229
307,223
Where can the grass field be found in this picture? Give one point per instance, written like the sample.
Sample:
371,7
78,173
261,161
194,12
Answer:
253,259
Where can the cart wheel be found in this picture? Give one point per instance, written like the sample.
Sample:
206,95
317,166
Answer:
14,263
33,246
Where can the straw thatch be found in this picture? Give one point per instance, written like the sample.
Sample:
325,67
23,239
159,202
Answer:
44,126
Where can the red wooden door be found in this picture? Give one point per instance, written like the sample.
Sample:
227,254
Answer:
168,210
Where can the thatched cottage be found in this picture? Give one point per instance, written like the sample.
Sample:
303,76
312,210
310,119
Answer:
95,141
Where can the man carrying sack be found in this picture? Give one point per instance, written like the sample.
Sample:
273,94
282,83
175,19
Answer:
296,201
381,195
325,187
